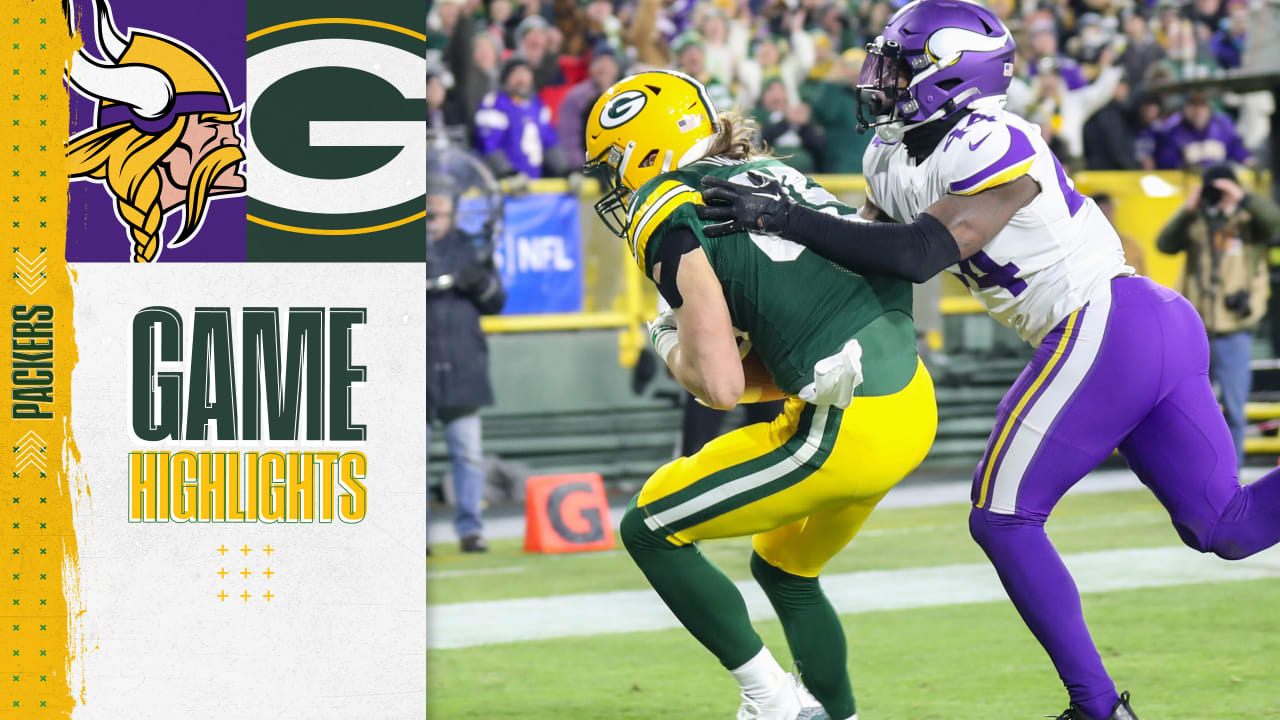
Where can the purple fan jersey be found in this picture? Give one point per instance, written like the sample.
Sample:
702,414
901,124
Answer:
1179,144
521,129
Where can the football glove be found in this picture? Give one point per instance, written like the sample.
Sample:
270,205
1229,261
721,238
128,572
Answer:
663,334
760,207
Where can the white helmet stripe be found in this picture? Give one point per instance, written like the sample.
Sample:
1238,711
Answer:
952,41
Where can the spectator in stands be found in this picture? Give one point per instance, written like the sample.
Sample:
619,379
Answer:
499,23
691,59
1148,123
533,38
1206,17
1185,55
1044,44
769,60
1227,44
787,130
480,76
1225,232
1062,111
443,109
441,21
1134,255
462,285
722,55
834,106
1198,136
572,119
1109,137
603,26
644,36
1141,52
513,127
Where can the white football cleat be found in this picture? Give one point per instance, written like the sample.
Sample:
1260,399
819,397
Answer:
790,701
784,704
810,708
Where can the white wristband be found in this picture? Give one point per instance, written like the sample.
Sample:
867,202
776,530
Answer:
663,334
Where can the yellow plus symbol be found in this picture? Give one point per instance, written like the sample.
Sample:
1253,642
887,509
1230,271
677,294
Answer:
246,573
268,573
246,596
222,594
246,550
268,596
268,550
222,573
222,549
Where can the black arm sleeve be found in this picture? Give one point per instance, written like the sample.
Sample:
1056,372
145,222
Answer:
915,252
675,243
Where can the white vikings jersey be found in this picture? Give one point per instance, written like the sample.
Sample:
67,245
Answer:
1054,253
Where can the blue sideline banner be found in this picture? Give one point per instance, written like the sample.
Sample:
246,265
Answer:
540,255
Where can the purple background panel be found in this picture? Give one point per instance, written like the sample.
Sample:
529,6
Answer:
217,32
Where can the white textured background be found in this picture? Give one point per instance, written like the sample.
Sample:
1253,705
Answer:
344,636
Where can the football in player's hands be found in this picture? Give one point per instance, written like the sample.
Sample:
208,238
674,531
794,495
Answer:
756,375
734,207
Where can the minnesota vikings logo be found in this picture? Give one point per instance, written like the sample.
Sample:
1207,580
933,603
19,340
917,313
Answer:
165,136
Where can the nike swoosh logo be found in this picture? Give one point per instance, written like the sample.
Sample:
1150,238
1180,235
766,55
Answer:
974,146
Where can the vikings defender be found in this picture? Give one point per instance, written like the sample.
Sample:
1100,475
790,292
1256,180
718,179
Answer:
860,412
1121,362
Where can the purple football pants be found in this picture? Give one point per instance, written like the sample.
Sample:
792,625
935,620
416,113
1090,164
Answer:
1129,370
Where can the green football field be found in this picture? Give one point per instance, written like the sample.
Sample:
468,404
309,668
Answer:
1203,642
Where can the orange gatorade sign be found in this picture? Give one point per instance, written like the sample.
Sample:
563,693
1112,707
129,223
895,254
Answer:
566,513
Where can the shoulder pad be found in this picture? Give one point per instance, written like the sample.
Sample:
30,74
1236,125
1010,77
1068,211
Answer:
655,201
983,152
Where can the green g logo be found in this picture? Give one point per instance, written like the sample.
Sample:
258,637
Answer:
337,140
622,108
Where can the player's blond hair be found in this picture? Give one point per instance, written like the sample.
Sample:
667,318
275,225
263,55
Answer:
127,159
738,138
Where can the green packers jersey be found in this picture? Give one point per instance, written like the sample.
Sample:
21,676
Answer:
796,306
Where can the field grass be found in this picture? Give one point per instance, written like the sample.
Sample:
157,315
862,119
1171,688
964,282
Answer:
892,538
1192,652
1198,652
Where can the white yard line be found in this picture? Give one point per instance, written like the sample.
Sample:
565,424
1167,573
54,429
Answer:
502,621
445,574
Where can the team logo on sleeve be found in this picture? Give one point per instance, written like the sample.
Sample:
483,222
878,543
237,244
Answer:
622,108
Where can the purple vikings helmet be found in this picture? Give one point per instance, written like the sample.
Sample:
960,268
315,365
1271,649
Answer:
935,57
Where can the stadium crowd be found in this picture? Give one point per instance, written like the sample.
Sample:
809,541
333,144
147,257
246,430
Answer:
515,78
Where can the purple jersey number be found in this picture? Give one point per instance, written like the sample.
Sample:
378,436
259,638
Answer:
985,273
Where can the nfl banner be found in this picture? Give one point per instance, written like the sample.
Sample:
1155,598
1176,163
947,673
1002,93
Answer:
540,255
213,465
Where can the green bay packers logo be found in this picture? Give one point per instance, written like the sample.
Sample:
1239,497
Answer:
622,108
337,129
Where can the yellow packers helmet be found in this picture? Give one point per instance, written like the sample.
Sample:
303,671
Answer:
644,125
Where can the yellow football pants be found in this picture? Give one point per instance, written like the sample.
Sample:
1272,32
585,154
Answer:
801,485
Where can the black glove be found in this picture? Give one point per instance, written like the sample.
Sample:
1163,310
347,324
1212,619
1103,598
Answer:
762,207
472,279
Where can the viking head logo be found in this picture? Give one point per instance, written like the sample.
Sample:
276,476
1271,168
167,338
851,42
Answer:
165,135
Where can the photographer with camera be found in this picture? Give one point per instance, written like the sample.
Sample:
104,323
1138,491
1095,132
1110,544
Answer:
462,285
1225,232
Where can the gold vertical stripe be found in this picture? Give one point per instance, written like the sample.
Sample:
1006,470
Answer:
39,581
1022,404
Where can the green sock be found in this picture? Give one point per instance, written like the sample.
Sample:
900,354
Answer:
702,598
813,632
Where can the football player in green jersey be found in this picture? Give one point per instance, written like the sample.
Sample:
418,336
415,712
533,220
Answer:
860,411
